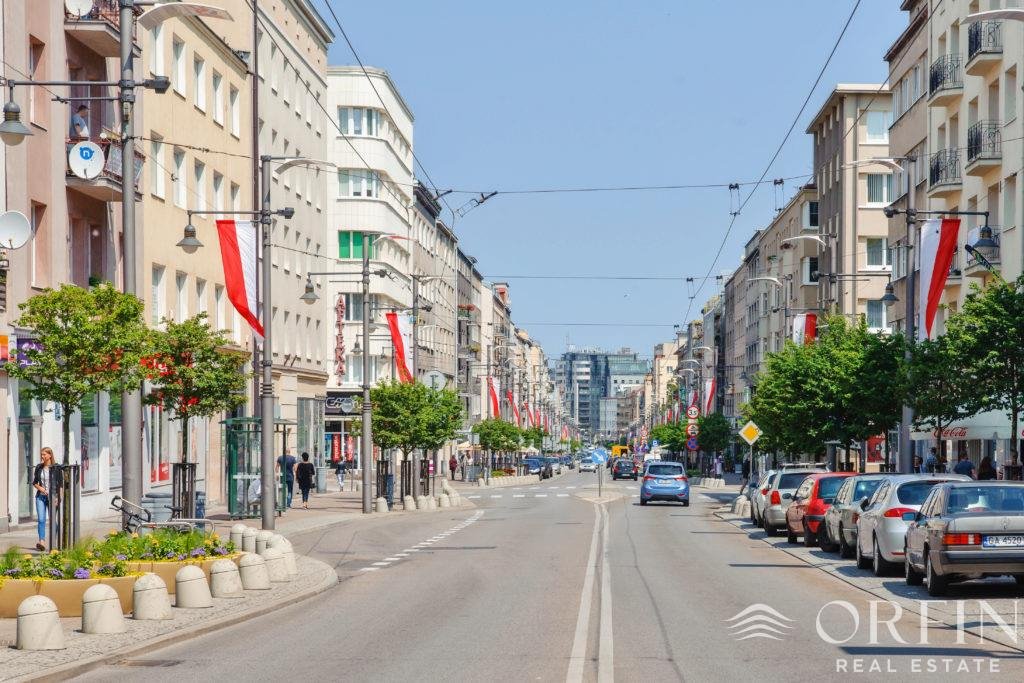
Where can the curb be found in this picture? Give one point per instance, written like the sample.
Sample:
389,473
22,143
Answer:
69,671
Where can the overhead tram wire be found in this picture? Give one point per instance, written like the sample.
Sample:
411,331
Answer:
775,156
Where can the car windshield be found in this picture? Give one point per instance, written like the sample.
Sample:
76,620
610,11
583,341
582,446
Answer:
829,486
665,470
865,489
914,492
985,499
790,480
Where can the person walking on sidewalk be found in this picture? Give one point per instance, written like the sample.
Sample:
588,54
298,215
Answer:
305,473
287,463
964,466
339,471
718,467
453,466
45,478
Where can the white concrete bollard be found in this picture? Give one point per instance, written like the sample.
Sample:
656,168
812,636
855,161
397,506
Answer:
150,599
381,505
744,510
275,541
409,503
422,503
276,569
252,569
224,580
101,610
431,503
455,498
261,541
236,534
191,589
443,501
289,558
39,625
249,540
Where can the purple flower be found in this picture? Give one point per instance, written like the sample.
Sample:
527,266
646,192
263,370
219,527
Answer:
11,572
56,573
120,558
197,552
220,550
170,554
81,573
147,556
181,556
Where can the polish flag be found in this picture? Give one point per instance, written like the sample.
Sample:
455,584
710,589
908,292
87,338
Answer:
938,243
492,391
805,328
709,396
399,333
693,398
565,433
238,254
515,408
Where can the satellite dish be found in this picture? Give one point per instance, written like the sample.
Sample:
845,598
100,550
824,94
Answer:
14,230
86,160
79,8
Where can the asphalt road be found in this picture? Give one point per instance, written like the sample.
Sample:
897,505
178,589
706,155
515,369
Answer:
545,583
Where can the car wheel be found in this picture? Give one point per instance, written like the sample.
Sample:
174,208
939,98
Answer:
910,575
825,541
845,550
879,565
643,502
936,584
810,540
790,536
862,562
686,503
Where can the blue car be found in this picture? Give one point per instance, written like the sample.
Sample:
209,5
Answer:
665,481
533,465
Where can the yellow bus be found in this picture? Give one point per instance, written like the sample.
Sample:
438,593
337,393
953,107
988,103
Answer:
620,451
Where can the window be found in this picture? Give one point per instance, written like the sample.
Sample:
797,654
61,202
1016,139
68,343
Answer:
181,287
156,50
235,112
916,81
236,326
180,197
809,270
878,252
876,314
218,307
359,121
284,81
200,177
217,83
38,103
199,71
810,215
879,188
159,303
350,245
878,123
157,181
356,183
218,192
178,79
40,244
236,197
1010,96
273,67
200,295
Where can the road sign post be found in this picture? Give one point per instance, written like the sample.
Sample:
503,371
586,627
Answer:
750,433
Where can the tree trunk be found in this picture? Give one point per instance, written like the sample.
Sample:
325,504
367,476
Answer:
184,438
1014,436
66,434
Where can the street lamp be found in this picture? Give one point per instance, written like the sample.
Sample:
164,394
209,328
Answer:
889,298
12,130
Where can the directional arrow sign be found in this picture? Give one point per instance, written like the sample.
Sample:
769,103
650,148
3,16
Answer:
750,432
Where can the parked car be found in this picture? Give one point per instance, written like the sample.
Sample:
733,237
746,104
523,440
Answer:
624,468
665,481
567,461
556,464
966,531
587,464
812,499
840,529
546,469
881,529
533,465
781,487
758,498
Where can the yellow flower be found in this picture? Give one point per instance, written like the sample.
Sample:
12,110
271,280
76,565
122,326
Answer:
214,536
135,534
88,553
27,556
54,552
112,532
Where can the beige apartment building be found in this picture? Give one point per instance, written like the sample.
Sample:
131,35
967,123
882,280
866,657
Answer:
850,128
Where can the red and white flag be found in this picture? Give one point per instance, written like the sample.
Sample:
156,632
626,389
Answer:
238,254
709,396
565,433
938,244
492,392
694,401
515,408
399,334
805,328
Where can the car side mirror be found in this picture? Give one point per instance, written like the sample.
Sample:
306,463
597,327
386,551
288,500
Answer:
863,503
909,516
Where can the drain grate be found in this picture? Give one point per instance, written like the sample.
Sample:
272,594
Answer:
150,663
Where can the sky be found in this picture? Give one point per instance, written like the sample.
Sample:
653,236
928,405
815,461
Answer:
597,93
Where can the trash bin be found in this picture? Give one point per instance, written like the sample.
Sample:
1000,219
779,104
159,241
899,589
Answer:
158,503
321,479
200,504
389,489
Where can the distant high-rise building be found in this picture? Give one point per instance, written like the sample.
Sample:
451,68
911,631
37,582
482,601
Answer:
588,376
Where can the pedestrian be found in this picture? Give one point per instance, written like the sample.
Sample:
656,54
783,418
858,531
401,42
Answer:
286,462
916,466
453,465
964,466
718,467
339,471
931,463
304,473
79,127
986,470
746,471
45,478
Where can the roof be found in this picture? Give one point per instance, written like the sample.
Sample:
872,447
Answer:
351,70
842,90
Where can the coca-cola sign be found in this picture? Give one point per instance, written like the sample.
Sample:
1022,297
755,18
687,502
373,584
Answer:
951,433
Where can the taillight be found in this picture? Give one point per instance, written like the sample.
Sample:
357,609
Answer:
764,492
897,512
648,477
776,498
961,539
681,478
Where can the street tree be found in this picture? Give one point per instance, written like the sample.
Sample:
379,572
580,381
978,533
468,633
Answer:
878,386
497,435
408,416
192,373
533,436
934,387
671,435
84,341
715,432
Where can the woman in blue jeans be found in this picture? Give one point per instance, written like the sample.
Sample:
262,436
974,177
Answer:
45,474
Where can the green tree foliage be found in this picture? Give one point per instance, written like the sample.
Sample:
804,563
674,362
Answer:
533,436
498,435
192,374
411,416
87,341
671,435
935,389
715,432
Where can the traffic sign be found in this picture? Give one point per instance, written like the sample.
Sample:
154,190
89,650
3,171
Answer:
655,443
692,444
600,456
750,432
693,412
692,430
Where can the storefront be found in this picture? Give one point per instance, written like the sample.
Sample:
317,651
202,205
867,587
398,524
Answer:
986,434
340,440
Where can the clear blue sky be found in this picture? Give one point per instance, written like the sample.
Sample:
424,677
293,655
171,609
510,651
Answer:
520,95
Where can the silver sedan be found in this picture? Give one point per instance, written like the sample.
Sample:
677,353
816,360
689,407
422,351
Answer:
841,518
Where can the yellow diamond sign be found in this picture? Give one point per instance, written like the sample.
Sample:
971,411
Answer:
750,432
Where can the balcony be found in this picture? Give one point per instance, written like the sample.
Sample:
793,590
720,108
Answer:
945,81
984,47
972,266
955,275
984,147
100,29
107,186
944,173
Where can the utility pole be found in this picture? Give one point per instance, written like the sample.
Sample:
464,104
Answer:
268,485
367,445
256,172
415,464
906,456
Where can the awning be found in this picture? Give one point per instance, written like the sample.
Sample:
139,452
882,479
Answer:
466,446
991,424
531,450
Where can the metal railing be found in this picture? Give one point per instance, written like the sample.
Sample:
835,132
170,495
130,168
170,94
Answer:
107,11
946,72
984,37
954,265
112,158
984,141
944,168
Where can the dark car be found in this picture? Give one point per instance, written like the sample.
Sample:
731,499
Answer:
568,461
533,466
624,468
547,469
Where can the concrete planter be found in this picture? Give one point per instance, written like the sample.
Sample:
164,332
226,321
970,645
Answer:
65,593
169,570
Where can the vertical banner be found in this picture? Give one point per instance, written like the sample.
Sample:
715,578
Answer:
709,396
492,391
938,243
399,334
238,256
515,408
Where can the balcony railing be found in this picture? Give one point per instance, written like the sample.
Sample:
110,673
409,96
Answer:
111,159
946,73
107,11
984,141
984,37
944,168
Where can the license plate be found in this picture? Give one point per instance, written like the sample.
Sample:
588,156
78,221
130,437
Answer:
1002,541
664,482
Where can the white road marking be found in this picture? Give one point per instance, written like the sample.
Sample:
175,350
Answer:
414,550
519,495
579,642
552,487
569,487
391,559
495,495
606,646
540,495
401,554
369,569
563,495
635,495
381,564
